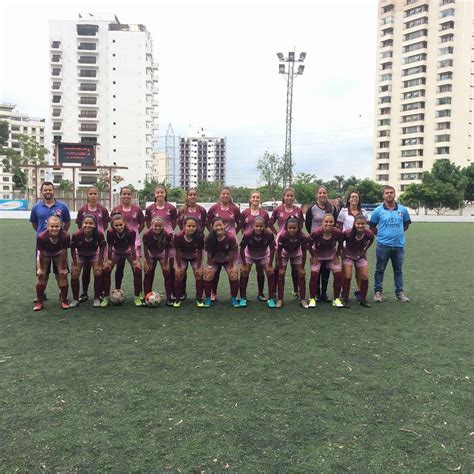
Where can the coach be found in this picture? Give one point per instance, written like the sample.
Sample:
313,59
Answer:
389,222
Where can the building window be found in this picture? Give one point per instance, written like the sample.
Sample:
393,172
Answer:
55,44
413,94
447,12
414,70
387,31
386,77
418,21
446,38
413,129
56,86
413,118
87,46
386,54
87,60
442,138
447,25
445,76
384,133
415,34
413,106
56,113
443,101
443,113
384,144
385,88
445,63
411,153
88,86
386,66
412,141
410,176
445,50
385,111
56,58
443,126
415,58
89,140
445,2
382,166
415,46
88,114
388,8
414,82
386,43
442,150
56,99
56,125
88,127
416,10
382,177
385,100
87,73
384,122
56,71
87,30
88,100
384,155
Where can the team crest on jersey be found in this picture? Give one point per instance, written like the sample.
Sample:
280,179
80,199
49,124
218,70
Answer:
58,212
400,213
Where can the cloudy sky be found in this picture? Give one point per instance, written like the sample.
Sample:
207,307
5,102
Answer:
218,69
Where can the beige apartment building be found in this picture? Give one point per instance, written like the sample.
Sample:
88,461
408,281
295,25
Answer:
424,88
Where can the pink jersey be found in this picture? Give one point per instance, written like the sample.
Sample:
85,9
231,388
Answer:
100,213
168,213
281,214
121,243
134,218
189,248
48,247
198,212
257,246
291,245
230,216
224,249
354,246
84,247
325,248
153,246
247,218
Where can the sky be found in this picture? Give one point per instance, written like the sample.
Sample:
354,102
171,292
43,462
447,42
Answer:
218,69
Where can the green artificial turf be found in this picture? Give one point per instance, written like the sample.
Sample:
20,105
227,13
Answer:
125,389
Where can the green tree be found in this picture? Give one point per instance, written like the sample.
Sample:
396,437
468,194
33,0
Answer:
370,191
446,172
440,197
4,133
208,191
272,172
65,185
102,183
349,184
414,196
340,179
468,175
305,185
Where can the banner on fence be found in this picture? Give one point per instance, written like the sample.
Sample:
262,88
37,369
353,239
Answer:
13,204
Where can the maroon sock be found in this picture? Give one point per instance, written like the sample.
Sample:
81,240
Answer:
244,281
106,281
302,286
234,288
199,288
97,286
148,281
86,279
75,288
271,286
207,288
336,286
281,286
119,274
64,293
295,279
313,284
215,280
346,286
260,281
40,292
137,281
169,282
364,287
178,288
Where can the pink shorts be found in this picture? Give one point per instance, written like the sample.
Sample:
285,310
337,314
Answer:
331,264
185,262
258,260
360,262
217,265
295,258
117,257
83,259
158,256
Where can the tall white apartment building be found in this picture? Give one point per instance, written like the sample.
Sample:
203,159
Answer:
425,88
19,124
104,91
202,158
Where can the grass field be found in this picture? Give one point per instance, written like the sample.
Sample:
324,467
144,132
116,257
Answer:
126,389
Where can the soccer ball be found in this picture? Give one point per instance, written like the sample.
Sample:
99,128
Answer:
117,297
152,299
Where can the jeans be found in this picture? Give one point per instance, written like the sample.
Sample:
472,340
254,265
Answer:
384,254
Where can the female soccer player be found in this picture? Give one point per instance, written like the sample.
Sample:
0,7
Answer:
121,247
326,248
135,220
357,241
257,246
189,244
221,247
191,208
291,247
87,249
157,244
229,213
52,245
280,215
101,214
247,219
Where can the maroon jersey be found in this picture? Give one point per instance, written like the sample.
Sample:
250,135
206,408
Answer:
189,248
247,218
155,246
224,250
355,246
257,245
281,214
48,247
121,243
168,213
134,218
326,248
85,247
198,212
293,244
100,213
230,216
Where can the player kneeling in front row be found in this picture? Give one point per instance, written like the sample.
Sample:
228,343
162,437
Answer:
257,246
87,250
357,241
189,244
52,244
326,247
121,247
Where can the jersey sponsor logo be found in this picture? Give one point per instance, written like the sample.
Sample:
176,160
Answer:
58,212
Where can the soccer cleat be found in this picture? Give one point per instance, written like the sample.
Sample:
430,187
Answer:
243,302
271,303
45,297
64,305
357,295
312,303
402,297
261,298
83,298
378,297
105,302
200,303
365,303
234,302
183,297
177,304
74,303
304,304
207,302
37,307
295,295
337,303
138,301
345,302
279,304
96,303
169,303
213,297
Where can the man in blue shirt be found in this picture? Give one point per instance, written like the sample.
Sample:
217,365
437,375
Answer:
389,222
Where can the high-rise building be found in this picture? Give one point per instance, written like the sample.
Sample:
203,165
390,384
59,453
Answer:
104,91
20,124
202,158
425,88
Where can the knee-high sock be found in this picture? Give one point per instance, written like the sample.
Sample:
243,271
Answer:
336,286
119,270
260,280
86,279
137,281
178,288
106,281
199,288
271,286
40,292
148,280
325,272
313,284
97,286
346,286
244,281
281,286
207,288
295,279
169,282
75,288
234,287
172,276
364,286
302,286
215,281
63,290
185,282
